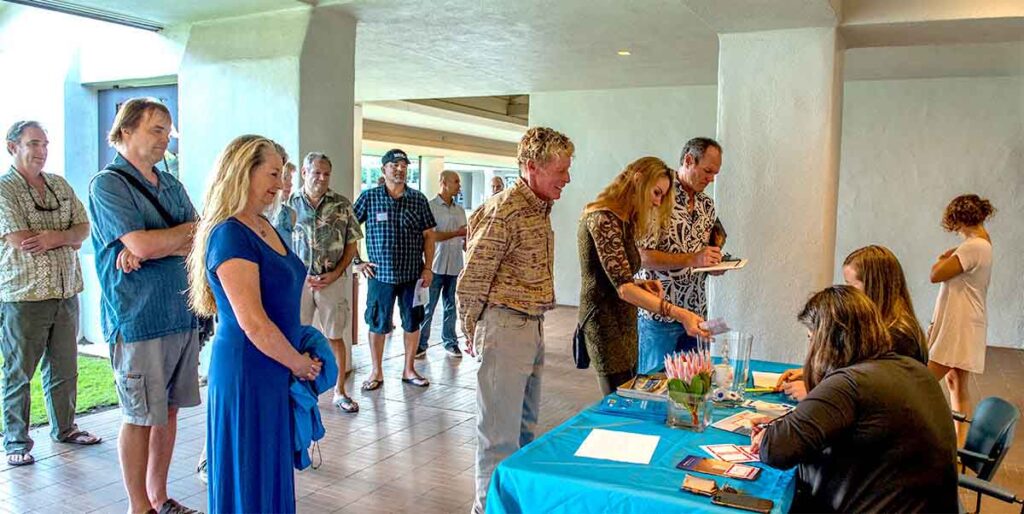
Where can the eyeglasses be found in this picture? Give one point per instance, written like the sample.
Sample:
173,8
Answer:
43,208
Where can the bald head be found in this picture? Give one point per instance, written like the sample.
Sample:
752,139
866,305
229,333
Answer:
451,185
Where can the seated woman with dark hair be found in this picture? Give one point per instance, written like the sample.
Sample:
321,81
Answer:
862,442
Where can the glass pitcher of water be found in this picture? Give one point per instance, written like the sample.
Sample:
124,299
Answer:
730,353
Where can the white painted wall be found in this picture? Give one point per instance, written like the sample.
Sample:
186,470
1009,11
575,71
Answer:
910,146
610,129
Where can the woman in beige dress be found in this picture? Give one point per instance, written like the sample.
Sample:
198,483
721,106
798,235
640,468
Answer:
956,339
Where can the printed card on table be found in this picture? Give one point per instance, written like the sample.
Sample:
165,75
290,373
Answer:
730,452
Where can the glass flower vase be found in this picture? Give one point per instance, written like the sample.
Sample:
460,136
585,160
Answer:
689,411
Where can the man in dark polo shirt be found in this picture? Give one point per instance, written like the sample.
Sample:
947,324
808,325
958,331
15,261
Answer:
400,243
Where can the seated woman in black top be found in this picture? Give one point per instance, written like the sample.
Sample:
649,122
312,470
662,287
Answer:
874,433
876,271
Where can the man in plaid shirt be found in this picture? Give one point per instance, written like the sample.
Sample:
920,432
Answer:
400,243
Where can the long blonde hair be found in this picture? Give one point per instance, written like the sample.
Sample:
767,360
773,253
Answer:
226,197
630,199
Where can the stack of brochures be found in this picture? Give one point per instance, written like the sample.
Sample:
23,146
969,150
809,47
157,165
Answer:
646,387
633,408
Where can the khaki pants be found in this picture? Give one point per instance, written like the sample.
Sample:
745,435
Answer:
511,346
329,311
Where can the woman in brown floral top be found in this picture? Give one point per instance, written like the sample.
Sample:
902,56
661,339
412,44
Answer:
636,203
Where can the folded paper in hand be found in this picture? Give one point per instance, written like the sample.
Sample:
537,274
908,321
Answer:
420,296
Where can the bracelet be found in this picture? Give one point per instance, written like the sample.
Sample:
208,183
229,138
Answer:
664,308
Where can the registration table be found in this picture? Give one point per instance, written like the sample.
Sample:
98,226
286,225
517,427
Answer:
546,476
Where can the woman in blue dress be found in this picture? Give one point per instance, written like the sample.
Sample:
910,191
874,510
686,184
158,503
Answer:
242,270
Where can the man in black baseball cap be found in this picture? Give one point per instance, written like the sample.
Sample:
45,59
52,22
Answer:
394,155
400,244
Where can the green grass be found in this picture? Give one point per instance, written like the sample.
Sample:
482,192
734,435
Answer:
95,388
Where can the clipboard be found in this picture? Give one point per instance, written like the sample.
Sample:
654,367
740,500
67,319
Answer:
722,266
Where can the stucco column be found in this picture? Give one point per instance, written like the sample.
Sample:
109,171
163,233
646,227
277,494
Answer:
779,121
285,75
430,175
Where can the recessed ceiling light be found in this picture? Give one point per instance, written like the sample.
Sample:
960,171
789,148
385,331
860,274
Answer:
624,53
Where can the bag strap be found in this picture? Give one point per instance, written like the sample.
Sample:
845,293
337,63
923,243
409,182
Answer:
589,314
134,182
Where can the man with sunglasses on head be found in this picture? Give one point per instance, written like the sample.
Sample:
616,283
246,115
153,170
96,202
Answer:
42,225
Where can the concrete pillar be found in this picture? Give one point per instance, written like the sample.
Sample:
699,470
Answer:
357,151
779,120
430,175
466,177
286,75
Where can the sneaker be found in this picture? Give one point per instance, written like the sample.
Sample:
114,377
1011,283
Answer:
421,354
453,351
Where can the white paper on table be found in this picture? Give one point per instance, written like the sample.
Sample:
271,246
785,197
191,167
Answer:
420,295
618,446
766,379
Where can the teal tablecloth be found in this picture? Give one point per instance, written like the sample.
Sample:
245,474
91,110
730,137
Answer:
546,477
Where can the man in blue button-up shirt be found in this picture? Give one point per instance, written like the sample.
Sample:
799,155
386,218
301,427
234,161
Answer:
399,239
153,336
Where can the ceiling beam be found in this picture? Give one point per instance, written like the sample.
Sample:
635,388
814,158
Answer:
465,106
402,134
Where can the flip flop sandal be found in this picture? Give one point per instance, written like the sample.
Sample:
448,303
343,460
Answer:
416,381
346,404
372,385
20,459
82,438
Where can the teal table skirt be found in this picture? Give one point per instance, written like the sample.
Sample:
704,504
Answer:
546,476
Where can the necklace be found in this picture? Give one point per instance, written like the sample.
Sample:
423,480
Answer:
258,227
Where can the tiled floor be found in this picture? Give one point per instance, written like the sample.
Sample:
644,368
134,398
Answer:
407,450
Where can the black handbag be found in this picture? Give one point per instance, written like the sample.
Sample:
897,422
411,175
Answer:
580,356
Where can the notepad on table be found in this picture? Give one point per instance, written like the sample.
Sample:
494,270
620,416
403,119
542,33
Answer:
766,379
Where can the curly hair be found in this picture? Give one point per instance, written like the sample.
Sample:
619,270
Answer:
541,144
966,211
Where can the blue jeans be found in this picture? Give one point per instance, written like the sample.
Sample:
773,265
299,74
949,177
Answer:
658,339
441,286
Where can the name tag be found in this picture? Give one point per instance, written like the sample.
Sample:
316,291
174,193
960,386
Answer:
382,216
